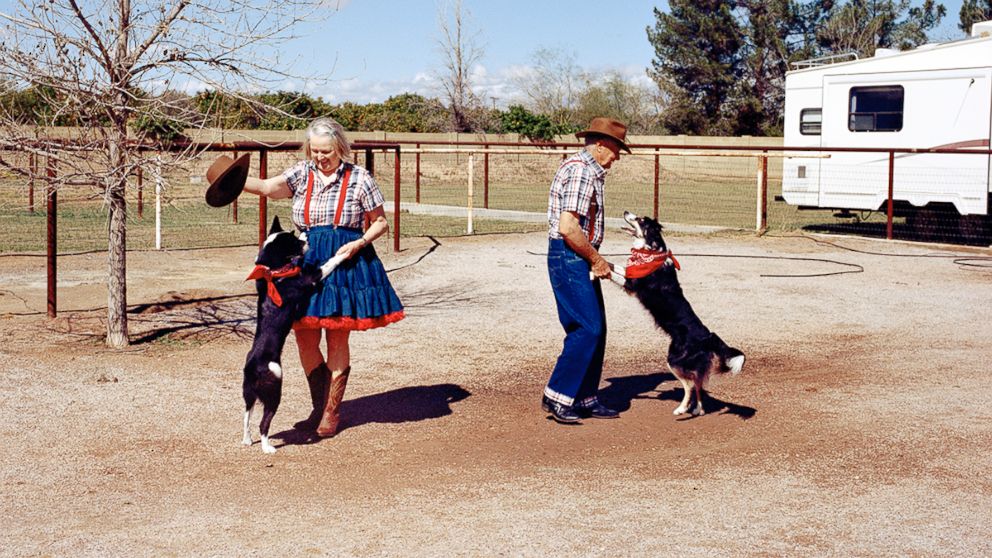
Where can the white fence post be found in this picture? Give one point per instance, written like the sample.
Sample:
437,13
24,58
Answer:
471,179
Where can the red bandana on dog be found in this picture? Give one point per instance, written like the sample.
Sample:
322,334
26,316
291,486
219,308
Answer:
644,262
263,272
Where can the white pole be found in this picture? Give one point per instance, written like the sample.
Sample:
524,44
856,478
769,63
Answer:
158,203
471,178
761,180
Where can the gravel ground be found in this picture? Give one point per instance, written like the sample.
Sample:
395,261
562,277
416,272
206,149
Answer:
860,426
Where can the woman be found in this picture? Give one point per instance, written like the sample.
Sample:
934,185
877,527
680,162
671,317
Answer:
332,199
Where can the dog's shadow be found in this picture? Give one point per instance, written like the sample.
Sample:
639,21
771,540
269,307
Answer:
406,404
621,391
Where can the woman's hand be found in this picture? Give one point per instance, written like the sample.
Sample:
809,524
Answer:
350,249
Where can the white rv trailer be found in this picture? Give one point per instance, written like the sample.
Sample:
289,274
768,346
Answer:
934,96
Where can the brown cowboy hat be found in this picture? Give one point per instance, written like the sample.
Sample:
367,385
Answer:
227,179
607,127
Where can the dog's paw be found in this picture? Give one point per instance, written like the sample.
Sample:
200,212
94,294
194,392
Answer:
698,411
246,441
680,410
266,446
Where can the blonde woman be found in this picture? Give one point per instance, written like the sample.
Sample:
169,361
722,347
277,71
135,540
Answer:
332,200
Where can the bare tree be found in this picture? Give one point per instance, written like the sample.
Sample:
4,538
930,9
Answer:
460,51
553,84
100,65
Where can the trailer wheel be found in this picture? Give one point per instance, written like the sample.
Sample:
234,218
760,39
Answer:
931,224
975,229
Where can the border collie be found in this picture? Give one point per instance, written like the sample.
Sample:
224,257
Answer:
695,352
284,287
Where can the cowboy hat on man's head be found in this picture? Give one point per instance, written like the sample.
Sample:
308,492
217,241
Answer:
227,179
607,127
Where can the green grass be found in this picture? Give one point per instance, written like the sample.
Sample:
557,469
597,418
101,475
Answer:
187,222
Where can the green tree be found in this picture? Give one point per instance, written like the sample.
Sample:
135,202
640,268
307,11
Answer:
776,32
861,26
535,127
973,11
697,57
618,98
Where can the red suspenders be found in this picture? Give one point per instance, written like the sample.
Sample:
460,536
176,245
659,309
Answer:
345,180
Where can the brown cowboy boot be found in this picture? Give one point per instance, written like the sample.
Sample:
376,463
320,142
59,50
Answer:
317,380
335,393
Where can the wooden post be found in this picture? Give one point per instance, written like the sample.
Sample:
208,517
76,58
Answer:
657,182
158,203
370,161
51,194
761,217
141,205
396,201
234,204
471,176
418,173
485,178
33,167
263,202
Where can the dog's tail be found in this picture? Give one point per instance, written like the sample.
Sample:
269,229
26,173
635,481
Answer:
733,361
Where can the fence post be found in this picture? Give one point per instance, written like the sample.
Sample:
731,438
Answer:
485,178
396,200
657,182
761,217
370,161
141,204
51,194
234,204
33,166
471,176
158,202
889,209
263,173
418,173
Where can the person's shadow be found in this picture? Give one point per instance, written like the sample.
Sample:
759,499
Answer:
622,390
406,404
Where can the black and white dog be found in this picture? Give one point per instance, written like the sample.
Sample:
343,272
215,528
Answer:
284,287
695,352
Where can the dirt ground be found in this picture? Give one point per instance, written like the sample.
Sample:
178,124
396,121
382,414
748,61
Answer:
861,426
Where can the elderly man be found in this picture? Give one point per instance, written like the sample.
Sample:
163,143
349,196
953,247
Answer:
575,219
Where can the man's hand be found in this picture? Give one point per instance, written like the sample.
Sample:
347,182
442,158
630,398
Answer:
601,268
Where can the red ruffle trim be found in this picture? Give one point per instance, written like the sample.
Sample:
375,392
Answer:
348,323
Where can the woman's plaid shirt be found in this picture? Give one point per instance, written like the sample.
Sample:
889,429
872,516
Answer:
363,195
578,186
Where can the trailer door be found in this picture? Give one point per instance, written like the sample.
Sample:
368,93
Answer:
921,109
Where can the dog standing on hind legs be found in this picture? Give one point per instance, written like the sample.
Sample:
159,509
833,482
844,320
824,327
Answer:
284,287
695,352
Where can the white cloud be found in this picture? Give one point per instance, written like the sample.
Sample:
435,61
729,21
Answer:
487,84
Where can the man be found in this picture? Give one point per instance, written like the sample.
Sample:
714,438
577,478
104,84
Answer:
575,219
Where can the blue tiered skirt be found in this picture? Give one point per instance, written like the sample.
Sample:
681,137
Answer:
357,295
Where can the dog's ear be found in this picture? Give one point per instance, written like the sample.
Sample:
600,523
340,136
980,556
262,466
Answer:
275,225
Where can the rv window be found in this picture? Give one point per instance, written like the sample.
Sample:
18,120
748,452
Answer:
810,121
876,109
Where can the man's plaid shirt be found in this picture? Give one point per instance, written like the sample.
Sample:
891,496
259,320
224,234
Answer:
578,186
363,195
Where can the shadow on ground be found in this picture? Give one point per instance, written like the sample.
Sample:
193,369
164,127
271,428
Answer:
621,391
407,404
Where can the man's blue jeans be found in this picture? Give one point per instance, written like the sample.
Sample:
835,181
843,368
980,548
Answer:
575,379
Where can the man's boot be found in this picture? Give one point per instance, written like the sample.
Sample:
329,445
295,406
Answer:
335,393
317,380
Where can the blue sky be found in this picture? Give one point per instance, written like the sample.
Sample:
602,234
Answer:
369,50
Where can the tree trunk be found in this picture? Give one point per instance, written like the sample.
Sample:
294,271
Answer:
117,246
